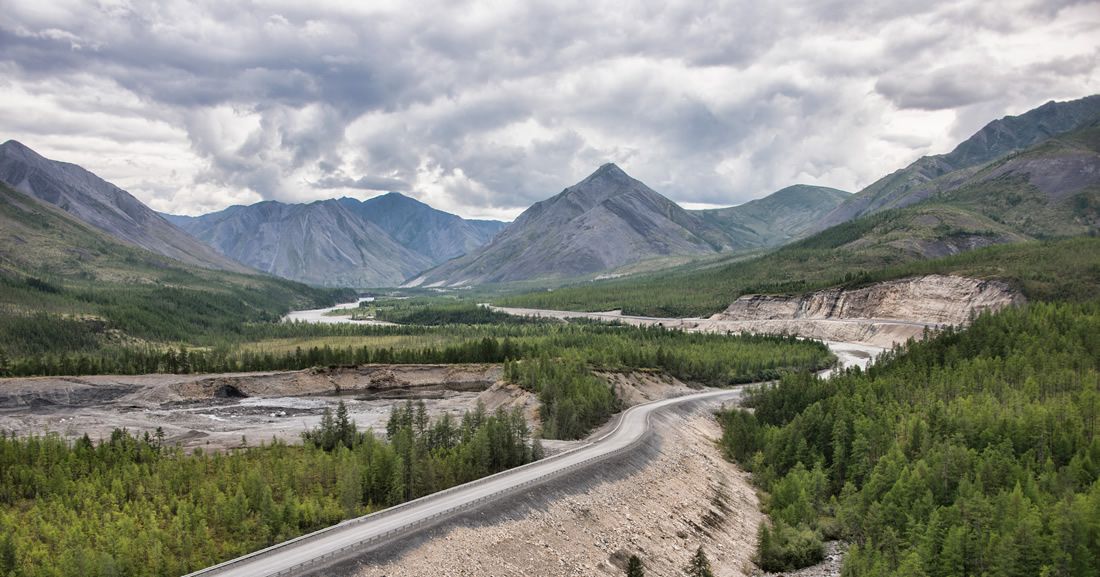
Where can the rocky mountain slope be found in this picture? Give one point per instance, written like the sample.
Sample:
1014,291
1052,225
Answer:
776,219
346,242
606,221
438,235
1049,190
103,206
321,243
996,140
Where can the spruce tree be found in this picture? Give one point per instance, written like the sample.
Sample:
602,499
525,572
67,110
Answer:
699,565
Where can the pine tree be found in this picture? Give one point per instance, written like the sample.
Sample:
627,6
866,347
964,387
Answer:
634,567
346,432
699,565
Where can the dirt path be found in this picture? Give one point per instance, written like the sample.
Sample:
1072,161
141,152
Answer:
682,496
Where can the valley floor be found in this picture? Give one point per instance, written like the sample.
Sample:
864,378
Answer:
227,411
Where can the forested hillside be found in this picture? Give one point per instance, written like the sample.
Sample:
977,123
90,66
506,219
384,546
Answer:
973,453
65,286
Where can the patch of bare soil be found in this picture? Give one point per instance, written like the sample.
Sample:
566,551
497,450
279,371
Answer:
637,387
684,497
223,411
230,410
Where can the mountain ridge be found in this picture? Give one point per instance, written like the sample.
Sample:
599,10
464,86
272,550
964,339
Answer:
780,217
993,141
321,243
436,234
103,206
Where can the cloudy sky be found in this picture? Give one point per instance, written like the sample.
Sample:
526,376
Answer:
482,108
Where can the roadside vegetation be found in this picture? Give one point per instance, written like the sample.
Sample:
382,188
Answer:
1048,270
976,452
132,506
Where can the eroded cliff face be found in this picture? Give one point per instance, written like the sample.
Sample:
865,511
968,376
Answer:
930,300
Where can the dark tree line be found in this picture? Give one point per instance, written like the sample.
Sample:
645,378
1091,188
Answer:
718,360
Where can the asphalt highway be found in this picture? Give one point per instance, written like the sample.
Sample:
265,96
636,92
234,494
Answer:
342,540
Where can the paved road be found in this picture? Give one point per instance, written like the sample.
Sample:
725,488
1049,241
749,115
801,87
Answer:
329,544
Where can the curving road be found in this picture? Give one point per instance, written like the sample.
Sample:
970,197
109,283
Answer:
342,540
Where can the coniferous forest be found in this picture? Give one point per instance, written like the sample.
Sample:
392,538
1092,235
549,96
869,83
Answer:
705,358
132,506
976,452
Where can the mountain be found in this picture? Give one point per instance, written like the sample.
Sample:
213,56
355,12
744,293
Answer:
606,221
438,235
1041,205
996,140
322,243
1049,190
779,218
106,292
103,206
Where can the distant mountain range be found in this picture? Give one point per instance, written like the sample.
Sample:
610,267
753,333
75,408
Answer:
603,222
1036,175
438,235
321,243
103,206
776,219
342,242
611,220
1047,191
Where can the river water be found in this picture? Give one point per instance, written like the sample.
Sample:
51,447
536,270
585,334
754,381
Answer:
319,315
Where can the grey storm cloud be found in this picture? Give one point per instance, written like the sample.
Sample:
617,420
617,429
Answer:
484,108
363,183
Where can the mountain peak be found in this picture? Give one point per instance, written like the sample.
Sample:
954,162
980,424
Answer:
19,150
609,170
606,221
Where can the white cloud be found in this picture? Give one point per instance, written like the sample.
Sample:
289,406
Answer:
482,108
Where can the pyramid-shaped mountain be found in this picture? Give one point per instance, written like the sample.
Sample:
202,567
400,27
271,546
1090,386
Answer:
607,221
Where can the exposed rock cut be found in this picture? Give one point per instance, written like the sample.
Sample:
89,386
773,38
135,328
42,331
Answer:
931,299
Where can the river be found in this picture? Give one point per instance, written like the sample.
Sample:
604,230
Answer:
321,315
